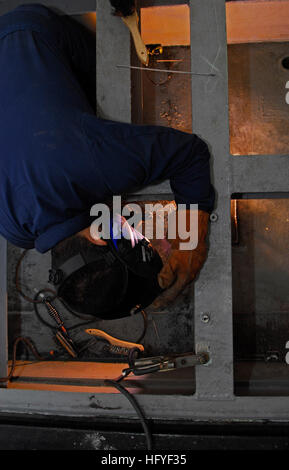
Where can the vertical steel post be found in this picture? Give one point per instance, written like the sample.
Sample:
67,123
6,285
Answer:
113,48
213,291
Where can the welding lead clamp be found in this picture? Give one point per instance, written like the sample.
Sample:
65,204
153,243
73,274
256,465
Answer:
148,365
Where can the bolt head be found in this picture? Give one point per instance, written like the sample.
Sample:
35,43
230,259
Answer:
205,317
213,217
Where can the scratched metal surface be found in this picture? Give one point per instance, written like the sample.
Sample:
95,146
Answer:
166,98
257,106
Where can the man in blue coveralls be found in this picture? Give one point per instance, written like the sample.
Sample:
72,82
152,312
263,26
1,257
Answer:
58,159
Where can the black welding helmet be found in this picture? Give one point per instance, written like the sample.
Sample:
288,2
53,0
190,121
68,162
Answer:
124,275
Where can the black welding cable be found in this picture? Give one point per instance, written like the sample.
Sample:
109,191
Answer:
133,354
115,383
29,345
137,408
77,325
49,325
35,301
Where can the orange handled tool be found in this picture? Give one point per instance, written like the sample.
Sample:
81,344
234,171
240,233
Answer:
115,342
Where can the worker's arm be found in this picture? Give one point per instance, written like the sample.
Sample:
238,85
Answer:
131,157
190,182
188,168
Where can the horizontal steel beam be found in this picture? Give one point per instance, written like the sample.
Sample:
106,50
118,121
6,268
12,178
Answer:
249,174
168,407
259,173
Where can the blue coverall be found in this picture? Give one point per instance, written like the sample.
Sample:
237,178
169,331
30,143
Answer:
57,158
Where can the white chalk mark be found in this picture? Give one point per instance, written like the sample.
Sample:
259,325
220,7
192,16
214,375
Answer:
213,66
209,63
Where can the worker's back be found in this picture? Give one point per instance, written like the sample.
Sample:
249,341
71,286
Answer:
48,175
57,158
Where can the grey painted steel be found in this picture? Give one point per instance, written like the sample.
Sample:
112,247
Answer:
113,48
249,173
168,407
3,309
213,291
259,173
69,7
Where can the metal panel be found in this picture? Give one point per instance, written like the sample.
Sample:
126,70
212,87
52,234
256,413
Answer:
213,292
69,7
3,309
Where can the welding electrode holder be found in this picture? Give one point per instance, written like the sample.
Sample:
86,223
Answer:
61,334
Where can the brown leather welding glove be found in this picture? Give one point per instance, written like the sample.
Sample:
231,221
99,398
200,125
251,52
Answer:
183,265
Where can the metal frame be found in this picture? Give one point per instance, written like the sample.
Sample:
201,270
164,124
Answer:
214,399
112,49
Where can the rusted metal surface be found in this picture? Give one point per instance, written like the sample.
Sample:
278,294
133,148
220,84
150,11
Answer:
257,99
